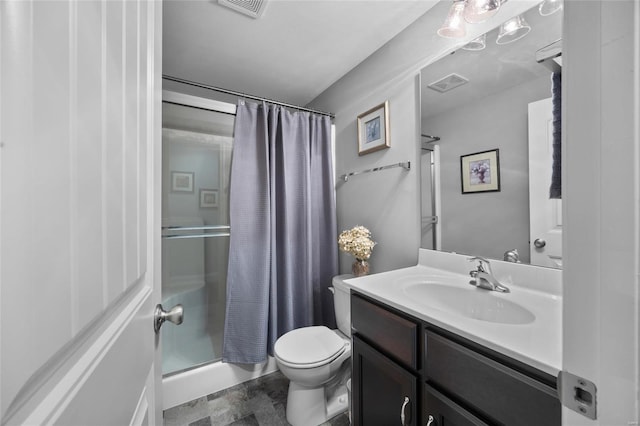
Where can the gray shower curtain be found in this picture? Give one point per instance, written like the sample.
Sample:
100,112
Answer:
283,250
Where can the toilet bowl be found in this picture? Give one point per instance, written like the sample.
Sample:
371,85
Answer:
316,362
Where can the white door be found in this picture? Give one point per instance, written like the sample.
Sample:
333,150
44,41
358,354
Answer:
79,179
545,215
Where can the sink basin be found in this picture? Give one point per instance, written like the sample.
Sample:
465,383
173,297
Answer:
470,302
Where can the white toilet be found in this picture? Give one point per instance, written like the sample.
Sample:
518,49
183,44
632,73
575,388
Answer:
316,361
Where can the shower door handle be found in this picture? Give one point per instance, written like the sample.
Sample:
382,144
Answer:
174,315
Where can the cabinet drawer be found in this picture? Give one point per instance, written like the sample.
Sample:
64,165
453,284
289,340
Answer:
392,333
489,388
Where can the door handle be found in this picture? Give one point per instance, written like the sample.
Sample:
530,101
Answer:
174,315
431,421
402,414
539,243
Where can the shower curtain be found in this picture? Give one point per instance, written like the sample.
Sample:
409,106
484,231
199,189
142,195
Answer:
283,250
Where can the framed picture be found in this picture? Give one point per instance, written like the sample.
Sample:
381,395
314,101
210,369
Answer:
373,129
480,172
182,181
208,198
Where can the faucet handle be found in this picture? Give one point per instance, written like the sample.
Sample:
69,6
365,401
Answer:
481,260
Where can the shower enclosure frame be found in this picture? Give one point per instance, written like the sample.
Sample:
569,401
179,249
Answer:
199,381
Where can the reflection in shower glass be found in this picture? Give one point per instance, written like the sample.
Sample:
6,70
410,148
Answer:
196,151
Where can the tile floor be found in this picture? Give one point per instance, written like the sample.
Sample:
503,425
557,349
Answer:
259,402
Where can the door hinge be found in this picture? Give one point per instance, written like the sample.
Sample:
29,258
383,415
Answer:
578,394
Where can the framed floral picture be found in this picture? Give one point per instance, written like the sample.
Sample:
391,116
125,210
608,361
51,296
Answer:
480,172
373,129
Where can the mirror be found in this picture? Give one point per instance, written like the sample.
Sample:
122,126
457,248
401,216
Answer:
489,111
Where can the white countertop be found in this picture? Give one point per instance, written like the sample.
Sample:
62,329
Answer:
537,343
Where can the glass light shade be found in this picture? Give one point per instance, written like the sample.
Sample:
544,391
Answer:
512,30
548,7
477,43
453,26
477,11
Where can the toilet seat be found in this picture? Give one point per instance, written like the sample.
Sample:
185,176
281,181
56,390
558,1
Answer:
309,347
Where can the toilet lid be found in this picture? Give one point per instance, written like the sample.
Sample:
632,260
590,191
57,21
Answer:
309,345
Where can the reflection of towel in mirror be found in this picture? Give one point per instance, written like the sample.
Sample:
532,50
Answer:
555,191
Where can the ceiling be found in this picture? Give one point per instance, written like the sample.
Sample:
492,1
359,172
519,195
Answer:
494,69
296,50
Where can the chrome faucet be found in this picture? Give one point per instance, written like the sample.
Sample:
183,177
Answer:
483,277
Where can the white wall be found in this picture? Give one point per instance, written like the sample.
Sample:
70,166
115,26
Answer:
487,224
388,201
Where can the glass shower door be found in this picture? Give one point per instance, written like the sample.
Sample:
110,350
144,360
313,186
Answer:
196,151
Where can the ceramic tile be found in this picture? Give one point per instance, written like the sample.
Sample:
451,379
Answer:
247,421
229,407
259,402
186,413
262,407
206,421
242,387
275,386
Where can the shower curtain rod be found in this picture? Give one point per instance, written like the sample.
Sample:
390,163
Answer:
244,95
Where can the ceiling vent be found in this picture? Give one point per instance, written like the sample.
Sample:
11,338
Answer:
447,83
253,8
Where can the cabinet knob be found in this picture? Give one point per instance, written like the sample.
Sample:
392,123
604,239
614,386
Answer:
431,421
402,413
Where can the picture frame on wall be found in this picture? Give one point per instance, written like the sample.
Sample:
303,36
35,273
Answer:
373,129
480,172
182,181
208,198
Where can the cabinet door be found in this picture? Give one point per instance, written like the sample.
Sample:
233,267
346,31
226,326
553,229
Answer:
441,411
383,392
505,396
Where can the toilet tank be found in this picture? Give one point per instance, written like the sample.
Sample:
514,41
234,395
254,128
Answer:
342,303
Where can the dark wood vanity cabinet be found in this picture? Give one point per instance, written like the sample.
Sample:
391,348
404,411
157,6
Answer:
384,379
497,391
383,391
447,379
442,411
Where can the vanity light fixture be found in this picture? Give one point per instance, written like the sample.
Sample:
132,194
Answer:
471,11
512,30
454,26
477,11
549,7
477,43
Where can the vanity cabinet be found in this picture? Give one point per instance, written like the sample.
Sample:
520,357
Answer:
440,410
448,380
497,390
384,392
385,356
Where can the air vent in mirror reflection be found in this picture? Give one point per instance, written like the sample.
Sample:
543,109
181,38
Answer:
447,83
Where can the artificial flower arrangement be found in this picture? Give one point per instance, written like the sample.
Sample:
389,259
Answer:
357,242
